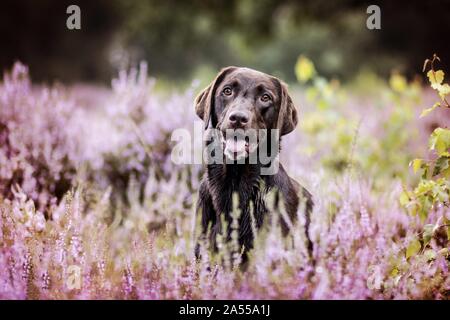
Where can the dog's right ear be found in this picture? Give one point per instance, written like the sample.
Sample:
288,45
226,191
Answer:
204,102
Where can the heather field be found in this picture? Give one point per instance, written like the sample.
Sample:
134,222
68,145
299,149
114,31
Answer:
93,207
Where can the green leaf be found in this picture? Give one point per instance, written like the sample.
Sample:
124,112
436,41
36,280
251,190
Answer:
430,254
443,90
424,187
425,172
441,165
404,198
413,248
398,82
394,271
446,173
416,163
444,252
428,231
304,69
424,203
435,77
440,141
427,111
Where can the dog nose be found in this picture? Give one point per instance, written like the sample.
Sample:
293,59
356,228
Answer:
238,118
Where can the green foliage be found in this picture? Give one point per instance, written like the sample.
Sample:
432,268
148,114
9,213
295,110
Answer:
304,69
426,196
413,248
339,123
178,39
440,142
433,190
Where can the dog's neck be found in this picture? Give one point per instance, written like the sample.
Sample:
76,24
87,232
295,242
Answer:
245,181
233,175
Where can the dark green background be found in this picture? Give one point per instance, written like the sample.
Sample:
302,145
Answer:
179,38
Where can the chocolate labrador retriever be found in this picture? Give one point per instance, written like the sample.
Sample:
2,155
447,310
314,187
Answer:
238,101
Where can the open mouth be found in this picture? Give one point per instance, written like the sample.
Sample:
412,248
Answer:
237,147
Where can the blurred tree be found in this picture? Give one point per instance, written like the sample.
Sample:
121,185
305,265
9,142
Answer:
35,33
178,37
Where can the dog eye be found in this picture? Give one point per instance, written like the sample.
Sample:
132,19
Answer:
227,91
265,97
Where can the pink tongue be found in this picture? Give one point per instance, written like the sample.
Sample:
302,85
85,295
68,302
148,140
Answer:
236,146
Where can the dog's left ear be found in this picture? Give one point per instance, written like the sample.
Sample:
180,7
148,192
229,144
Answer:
287,116
204,102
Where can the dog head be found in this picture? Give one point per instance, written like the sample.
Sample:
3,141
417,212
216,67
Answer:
241,102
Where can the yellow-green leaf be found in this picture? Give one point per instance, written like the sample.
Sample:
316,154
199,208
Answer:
404,198
398,82
413,248
428,231
435,77
427,111
444,252
416,163
446,174
394,272
443,90
304,69
440,141
441,165
429,254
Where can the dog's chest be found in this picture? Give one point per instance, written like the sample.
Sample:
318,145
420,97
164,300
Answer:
247,189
